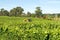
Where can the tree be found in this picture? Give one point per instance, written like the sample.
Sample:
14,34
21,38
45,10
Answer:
28,14
4,12
38,12
16,11
12,12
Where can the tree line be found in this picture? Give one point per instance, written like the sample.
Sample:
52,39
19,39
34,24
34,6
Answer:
19,12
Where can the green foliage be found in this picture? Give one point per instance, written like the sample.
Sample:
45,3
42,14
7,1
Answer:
4,12
16,11
38,12
14,28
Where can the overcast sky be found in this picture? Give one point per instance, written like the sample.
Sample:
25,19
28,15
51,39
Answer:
47,6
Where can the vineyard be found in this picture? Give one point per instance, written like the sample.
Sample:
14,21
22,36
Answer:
14,28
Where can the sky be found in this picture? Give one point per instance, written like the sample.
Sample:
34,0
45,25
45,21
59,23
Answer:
47,6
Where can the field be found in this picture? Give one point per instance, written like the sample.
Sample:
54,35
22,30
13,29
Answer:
14,28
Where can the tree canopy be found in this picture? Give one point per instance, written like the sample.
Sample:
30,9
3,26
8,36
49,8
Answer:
38,12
